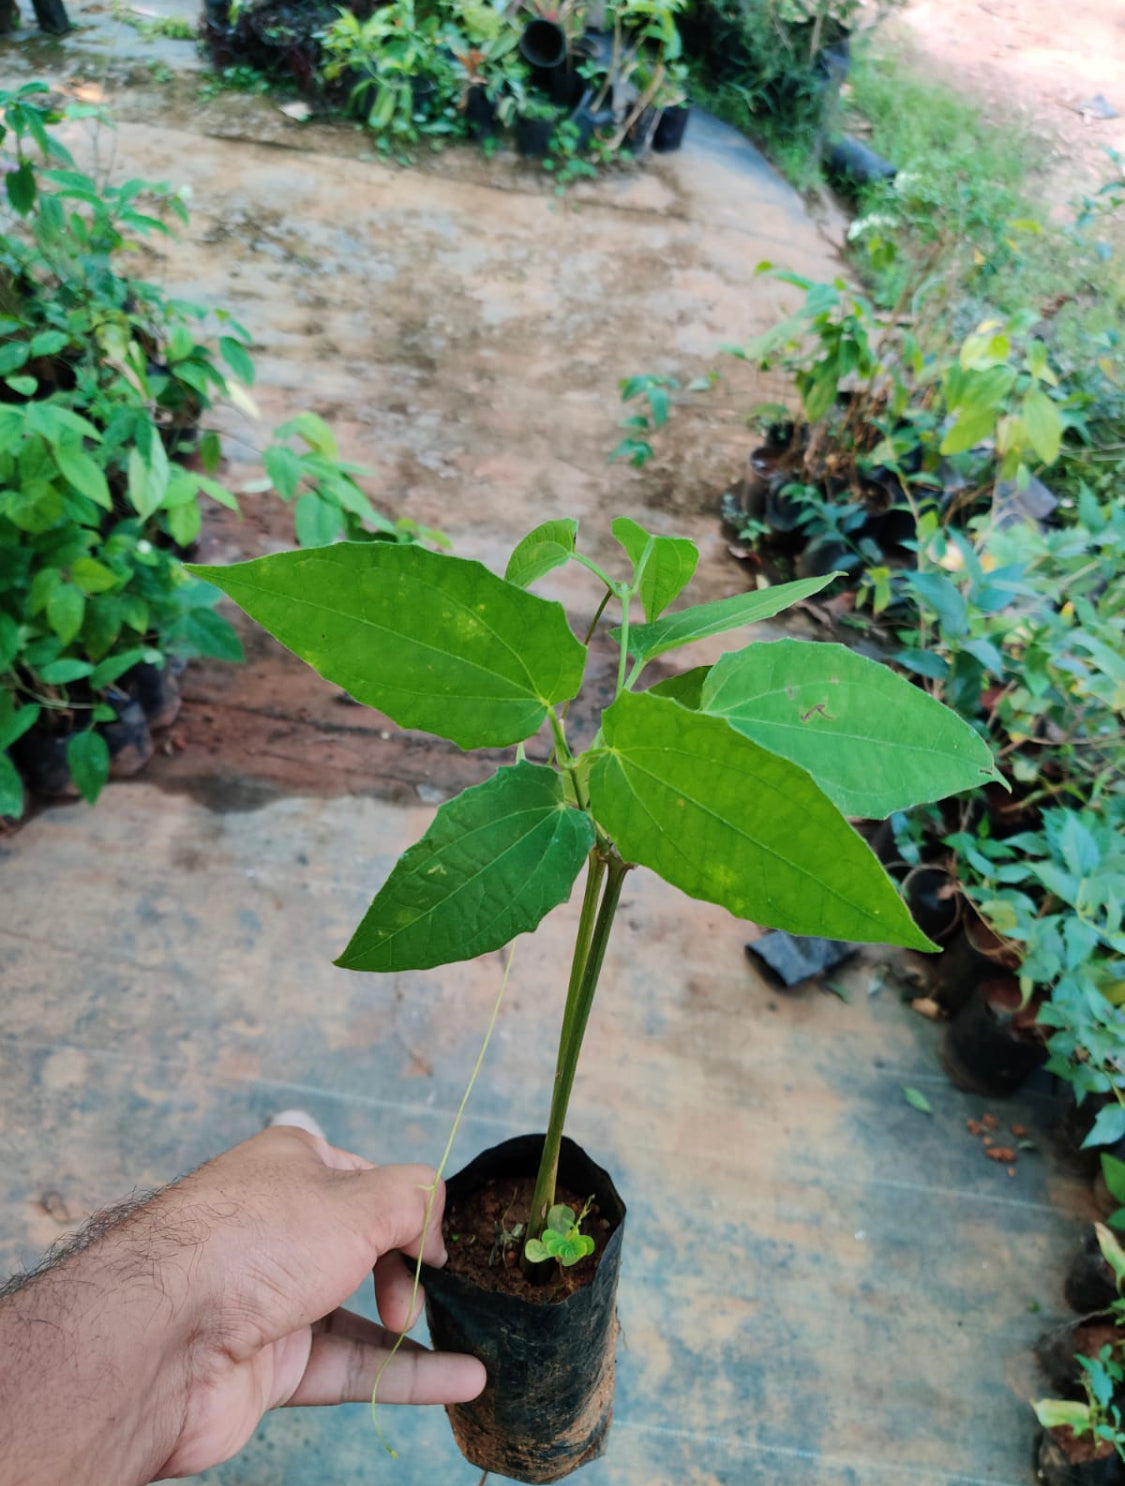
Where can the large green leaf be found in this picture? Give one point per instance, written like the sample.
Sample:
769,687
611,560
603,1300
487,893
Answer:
547,547
722,819
11,789
436,642
647,641
495,861
669,567
872,741
686,687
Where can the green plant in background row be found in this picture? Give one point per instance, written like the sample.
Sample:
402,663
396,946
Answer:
728,782
105,379
1098,1415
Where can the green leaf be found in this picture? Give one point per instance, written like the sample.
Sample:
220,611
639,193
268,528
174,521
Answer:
21,188
236,356
62,672
685,688
284,468
561,1218
11,789
1112,1252
1042,424
495,860
917,1100
92,576
668,570
13,356
25,386
66,608
646,641
724,820
87,756
210,634
313,429
185,521
436,642
1108,1128
972,425
84,473
946,600
536,1251
1060,1413
317,522
15,721
1113,1171
871,740
547,547
148,480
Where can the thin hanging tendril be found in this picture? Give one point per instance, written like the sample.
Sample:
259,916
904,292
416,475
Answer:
431,1190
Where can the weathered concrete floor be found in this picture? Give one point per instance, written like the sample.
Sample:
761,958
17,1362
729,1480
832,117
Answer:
822,1286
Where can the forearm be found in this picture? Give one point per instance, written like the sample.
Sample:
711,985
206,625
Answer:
94,1356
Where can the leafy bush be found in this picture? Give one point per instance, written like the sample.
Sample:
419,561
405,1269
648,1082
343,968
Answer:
103,381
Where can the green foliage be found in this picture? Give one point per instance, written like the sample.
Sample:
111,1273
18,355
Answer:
443,644
436,642
496,860
670,788
844,696
105,382
562,1238
636,446
1099,1416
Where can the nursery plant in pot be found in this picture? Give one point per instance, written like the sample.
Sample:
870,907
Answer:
730,784
1083,1441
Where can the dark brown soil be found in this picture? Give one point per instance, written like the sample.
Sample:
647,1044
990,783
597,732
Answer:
1079,1449
474,1228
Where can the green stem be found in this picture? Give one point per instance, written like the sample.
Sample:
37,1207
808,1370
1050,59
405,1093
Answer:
589,955
624,660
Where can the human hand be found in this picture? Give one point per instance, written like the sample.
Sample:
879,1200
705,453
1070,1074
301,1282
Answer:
217,1300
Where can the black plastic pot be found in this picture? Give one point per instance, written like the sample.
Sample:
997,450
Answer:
1054,1467
823,556
1090,1284
971,956
543,45
41,759
986,1049
547,1405
533,136
855,163
1057,1352
671,128
51,17
422,90
480,114
783,512
587,120
127,736
639,137
157,690
935,910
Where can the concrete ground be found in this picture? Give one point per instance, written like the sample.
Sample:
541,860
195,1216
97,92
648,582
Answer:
821,1284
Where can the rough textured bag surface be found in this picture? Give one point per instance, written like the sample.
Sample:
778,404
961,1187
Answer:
547,1406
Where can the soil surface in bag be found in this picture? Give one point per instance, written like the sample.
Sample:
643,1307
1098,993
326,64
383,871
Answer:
475,1227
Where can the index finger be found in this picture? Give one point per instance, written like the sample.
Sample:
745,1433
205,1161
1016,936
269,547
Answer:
392,1202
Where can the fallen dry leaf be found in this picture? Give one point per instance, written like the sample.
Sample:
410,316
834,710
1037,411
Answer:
298,111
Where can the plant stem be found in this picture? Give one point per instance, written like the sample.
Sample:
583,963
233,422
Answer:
624,660
589,955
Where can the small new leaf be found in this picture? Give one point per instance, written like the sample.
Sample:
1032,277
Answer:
917,1100
646,641
547,547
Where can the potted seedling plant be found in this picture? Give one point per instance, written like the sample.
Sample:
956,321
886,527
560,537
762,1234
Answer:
731,782
1083,1441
